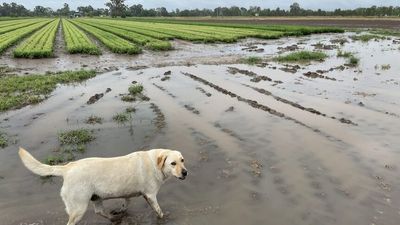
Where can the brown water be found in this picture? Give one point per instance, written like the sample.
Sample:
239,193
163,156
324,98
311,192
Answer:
264,162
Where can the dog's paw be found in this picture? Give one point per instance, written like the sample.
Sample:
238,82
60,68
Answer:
117,215
164,216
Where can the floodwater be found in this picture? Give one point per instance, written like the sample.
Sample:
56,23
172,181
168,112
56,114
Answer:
281,149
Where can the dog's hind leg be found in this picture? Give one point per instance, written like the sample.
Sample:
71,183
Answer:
99,209
76,203
75,210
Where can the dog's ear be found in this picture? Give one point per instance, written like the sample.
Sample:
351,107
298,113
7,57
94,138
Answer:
161,160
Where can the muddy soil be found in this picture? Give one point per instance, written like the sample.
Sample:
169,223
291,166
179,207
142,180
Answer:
299,151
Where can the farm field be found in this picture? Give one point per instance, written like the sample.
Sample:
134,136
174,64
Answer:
278,123
128,37
347,22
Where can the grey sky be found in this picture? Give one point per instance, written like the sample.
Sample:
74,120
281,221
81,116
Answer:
189,4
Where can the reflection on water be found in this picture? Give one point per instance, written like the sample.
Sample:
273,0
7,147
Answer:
247,165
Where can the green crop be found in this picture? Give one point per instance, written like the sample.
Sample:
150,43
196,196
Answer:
112,41
10,38
20,24
188,32
77,41
40,44
149,42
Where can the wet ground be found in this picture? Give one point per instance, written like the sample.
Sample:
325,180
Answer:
265,144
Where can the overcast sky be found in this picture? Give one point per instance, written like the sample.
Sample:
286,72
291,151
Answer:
190,4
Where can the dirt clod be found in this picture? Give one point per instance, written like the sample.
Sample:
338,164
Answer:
93,99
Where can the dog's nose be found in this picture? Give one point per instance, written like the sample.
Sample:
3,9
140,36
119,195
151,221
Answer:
184,173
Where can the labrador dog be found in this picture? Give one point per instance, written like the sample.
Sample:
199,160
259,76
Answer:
96,179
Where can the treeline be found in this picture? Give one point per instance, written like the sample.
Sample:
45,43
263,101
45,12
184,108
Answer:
118,8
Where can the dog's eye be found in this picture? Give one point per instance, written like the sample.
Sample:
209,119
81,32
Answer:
173,163
182,160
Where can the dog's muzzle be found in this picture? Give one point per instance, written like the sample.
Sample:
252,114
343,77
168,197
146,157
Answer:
184,174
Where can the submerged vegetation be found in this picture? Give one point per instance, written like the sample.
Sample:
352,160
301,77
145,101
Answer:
366,37
75,137
73,141
352,60
344,54
135,89
252,60
122,117
19,91
3,140
302,56
94,119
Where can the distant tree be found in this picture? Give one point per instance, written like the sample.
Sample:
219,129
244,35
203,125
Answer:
65,10
295,9
117,7
136,10
162,11
87,10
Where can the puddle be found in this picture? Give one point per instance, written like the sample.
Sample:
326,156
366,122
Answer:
256,151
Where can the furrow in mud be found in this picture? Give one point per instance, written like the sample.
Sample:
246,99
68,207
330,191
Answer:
159,120
296,105
229,131
186,106
164,90
254,76
253,103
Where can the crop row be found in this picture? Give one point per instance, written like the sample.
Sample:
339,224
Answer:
144,28
13,22
146,41
112,41
40,44
288,29
16,26
77,41
10,38
190,32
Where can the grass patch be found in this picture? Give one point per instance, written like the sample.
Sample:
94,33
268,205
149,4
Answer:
122,117
344,54
135,89
252,60
70,141
385,67
130,110
159,45
75,137
3,140
354,61
128,98
302,56
94,119
54,160
366,37
395,33
19,91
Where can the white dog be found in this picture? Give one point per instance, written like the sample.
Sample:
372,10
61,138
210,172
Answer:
98,179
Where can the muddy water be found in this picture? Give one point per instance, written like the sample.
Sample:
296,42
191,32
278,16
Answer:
255,151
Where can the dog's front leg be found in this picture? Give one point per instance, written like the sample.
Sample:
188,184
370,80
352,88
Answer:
152,200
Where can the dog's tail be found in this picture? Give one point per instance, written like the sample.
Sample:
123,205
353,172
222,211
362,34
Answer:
37,167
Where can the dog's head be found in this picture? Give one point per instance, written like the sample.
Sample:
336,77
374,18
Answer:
171,163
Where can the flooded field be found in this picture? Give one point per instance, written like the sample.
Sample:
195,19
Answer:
271,143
